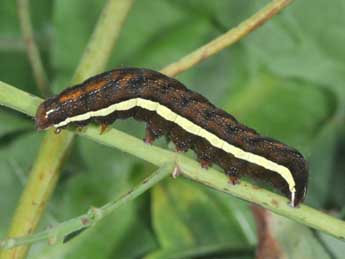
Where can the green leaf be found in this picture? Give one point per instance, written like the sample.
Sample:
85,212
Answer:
335,246
146,42
283,109
295,240
322,166
306,47
14,66
73,23
15,161
104,174
179,212
13,124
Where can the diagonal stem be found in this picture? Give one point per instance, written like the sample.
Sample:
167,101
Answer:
217,180
60,232
226,39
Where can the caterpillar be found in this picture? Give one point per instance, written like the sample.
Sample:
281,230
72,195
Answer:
187,118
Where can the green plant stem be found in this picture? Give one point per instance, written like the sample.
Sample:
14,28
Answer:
217,180
191,169
40,75
48,163
92,65
226,39
18,100
59,232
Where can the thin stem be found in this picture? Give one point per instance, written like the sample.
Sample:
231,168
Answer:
59,232
18,100
217,180
227,39
40,75
191,169
38,190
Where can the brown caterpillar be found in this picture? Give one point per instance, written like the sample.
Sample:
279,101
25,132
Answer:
185,117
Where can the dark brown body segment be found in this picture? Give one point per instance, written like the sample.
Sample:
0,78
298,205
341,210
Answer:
118,85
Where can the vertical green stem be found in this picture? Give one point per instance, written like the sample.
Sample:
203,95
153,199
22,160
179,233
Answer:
40,75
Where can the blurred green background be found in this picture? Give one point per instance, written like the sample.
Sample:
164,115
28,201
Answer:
286,80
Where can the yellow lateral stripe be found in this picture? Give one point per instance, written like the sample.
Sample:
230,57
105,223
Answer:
169,116
187,125
147,104
190,127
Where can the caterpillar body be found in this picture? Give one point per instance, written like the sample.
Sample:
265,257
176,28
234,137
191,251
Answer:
187,118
